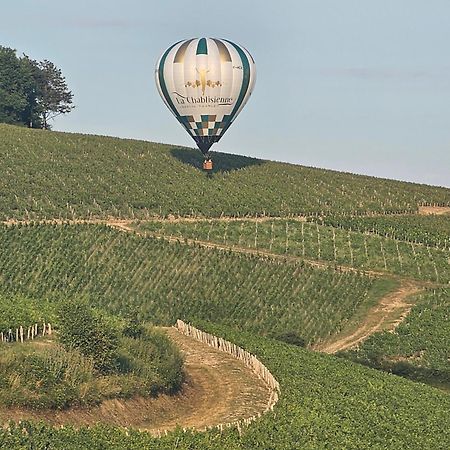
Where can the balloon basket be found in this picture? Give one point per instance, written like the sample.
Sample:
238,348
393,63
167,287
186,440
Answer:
207,164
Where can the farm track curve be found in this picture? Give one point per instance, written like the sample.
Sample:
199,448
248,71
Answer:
218,389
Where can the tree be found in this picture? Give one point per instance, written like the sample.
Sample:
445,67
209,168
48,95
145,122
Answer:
54,97
18,89
31,92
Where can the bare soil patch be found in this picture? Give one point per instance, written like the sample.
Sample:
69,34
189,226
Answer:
436,210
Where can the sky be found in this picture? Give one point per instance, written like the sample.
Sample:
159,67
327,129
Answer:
352,85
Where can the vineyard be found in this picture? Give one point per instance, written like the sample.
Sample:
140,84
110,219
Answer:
257,253
19,311
325,403
418,349
164,281
51,175
319,242
433,231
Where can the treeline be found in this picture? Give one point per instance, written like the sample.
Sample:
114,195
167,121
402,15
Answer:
31,92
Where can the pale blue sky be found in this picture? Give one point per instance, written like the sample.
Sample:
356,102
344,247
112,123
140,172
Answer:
353,85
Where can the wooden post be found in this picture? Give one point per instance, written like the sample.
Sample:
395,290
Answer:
49,329
21,333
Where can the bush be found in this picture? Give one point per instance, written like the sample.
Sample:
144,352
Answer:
50,378
154,359
93,333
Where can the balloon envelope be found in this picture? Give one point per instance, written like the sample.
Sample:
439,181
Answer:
205,82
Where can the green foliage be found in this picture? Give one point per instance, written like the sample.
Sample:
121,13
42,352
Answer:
154,359
17,310
317,242
18,86
46,376
325,403
49,175
42,374
91,332
54,97
433,231
419,347
31,92
124,272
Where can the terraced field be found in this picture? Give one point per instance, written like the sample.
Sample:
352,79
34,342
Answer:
163,281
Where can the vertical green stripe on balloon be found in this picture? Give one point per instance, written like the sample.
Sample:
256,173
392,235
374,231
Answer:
162,83
202,47
245,81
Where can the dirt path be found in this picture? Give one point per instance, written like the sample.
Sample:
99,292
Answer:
387,314
437,210
218,389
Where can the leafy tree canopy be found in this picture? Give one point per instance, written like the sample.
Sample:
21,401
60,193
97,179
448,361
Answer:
31,92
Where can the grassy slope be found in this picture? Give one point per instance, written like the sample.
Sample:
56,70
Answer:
50,174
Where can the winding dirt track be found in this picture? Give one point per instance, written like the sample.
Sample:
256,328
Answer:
218,389
386,315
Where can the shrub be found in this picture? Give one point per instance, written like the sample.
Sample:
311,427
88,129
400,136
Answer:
93,333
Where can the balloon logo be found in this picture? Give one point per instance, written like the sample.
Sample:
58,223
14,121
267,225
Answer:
205,82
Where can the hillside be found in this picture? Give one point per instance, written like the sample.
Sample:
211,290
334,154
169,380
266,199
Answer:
163,281
50,174
326,403
354,262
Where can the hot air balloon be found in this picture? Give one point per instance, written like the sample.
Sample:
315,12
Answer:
205,82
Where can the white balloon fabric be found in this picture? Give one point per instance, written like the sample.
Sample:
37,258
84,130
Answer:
205,82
